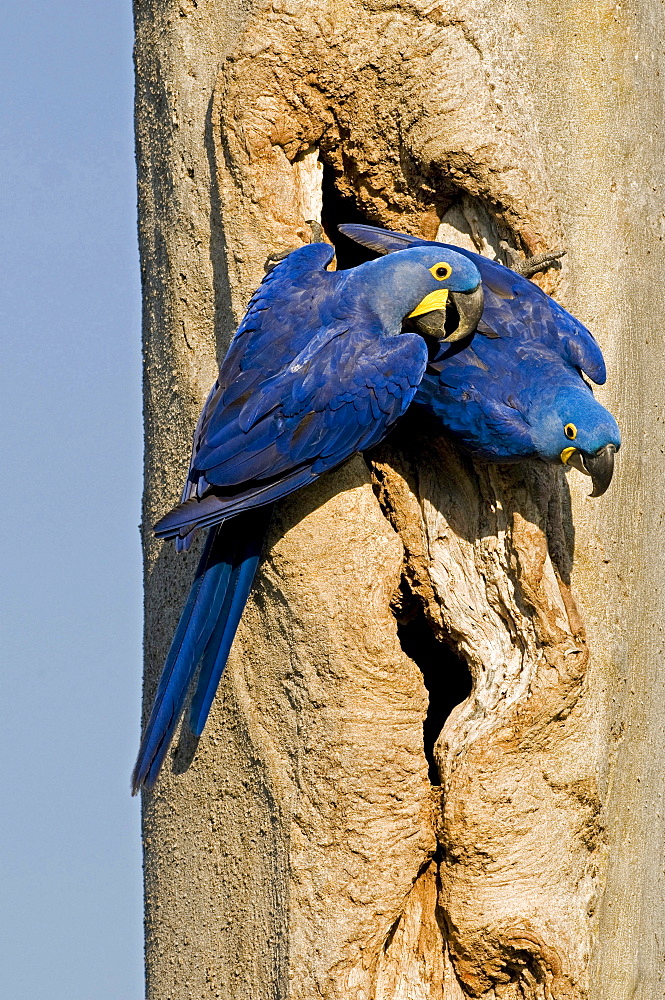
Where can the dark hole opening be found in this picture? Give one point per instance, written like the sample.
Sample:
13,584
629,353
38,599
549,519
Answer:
446,676
336,210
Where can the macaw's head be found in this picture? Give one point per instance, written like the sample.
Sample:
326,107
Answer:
435,289
575,429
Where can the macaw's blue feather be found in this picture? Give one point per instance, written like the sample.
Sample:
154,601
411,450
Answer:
204,635
521,393
212,509
196,625
514,306
319,368
248,531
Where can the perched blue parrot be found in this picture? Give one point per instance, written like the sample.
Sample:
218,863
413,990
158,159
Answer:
518,392
319,368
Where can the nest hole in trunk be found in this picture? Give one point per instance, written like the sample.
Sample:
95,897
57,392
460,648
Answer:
336,209
446,676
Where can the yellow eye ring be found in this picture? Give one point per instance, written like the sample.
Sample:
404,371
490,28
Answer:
570,430
441,271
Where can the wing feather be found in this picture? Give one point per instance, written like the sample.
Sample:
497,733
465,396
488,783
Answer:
514,306
335,383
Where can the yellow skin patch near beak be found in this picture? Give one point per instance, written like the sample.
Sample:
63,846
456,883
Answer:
566,454
435,300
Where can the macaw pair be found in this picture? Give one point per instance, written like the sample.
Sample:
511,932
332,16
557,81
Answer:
322,366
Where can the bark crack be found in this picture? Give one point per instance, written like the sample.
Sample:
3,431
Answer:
446,675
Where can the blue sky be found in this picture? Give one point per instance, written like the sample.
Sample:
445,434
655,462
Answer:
70,440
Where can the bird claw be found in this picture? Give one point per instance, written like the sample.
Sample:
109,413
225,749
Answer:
274,259
528,266
318,235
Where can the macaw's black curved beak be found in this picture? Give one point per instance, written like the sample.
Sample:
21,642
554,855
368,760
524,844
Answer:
601,469
599,466
458,320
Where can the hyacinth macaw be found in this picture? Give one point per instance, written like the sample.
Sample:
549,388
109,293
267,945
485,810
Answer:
319,368
518,392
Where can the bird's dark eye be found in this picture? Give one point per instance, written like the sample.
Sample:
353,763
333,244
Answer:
570,430
441,270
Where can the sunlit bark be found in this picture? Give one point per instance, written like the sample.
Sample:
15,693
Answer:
313,844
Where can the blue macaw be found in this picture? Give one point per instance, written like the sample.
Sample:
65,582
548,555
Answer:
518,392
515,393
319,368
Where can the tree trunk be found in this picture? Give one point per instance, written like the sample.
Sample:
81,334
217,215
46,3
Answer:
318,841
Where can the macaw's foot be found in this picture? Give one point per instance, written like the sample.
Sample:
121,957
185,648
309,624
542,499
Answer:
273,260
318,236
528,266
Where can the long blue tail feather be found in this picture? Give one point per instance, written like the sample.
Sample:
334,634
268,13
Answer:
206,629
196,624
246,561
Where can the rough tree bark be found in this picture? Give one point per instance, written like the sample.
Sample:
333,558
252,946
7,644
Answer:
306,847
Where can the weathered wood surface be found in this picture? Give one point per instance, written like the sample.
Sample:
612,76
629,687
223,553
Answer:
299,850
